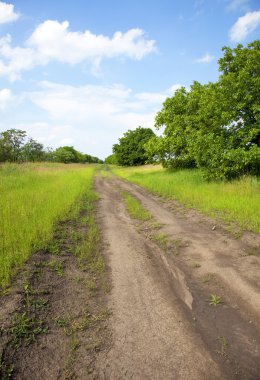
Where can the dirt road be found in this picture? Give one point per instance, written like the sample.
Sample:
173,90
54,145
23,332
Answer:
175,297
163,326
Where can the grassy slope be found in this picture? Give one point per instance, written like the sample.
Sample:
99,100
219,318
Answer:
33,198
236,201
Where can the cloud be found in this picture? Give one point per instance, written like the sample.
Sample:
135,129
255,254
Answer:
207,58
235,5
53,41
7,13
5,98
94,116
158,97
244,26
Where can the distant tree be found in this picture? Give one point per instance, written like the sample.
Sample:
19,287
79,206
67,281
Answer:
130,151
11,145
64,155
33,151
112,160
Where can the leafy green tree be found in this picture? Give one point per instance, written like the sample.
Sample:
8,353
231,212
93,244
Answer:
11,145
33,151
130,151
215,126
63,154
112,160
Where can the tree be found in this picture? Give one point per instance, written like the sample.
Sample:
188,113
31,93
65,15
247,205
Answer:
112,160
215,126
64,154
130,151
33,151
11,145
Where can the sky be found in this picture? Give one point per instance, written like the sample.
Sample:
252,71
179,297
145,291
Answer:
81,73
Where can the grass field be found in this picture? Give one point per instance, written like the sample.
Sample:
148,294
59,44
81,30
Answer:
33,198
237,201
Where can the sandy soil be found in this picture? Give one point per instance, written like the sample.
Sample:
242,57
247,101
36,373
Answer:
163,326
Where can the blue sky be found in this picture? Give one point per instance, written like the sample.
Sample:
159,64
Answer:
83,72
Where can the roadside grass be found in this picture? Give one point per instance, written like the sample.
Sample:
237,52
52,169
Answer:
233,202
33,198
135,208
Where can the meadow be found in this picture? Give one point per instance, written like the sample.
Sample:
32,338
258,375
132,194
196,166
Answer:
33,198
232,202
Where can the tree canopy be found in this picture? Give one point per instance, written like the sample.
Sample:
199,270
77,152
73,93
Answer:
215,126
130,150
15,148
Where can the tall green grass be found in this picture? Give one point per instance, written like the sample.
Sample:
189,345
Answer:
135,208
237,201
32,198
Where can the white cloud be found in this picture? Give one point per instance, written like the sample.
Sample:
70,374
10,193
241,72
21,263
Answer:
7,13
93,116
235,5
207,58
158,97
5,98
53,41
244,26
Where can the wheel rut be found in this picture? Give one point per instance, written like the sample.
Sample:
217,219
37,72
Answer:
153,333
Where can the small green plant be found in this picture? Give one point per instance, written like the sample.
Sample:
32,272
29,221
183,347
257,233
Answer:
25,329
160,239
92,285
207,278
214,300
61,321
195,265
134,207
53,247
223,345
6,371
57,267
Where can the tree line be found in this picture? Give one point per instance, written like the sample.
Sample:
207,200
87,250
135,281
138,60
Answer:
15,146
214,127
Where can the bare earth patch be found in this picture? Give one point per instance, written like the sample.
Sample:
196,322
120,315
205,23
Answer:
185,296
54,317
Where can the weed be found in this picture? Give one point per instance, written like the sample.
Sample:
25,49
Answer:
25,329
161,239
6,371
254,252
134,207
214,300
62,321
92,285
223,345
57,267
40,304
156,225
54,247
207,278
177,245
195,265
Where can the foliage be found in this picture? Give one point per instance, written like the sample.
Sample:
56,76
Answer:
215,126
112,160
11,143
13,148
130,151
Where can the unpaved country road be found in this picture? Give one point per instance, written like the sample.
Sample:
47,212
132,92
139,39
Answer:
162,324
